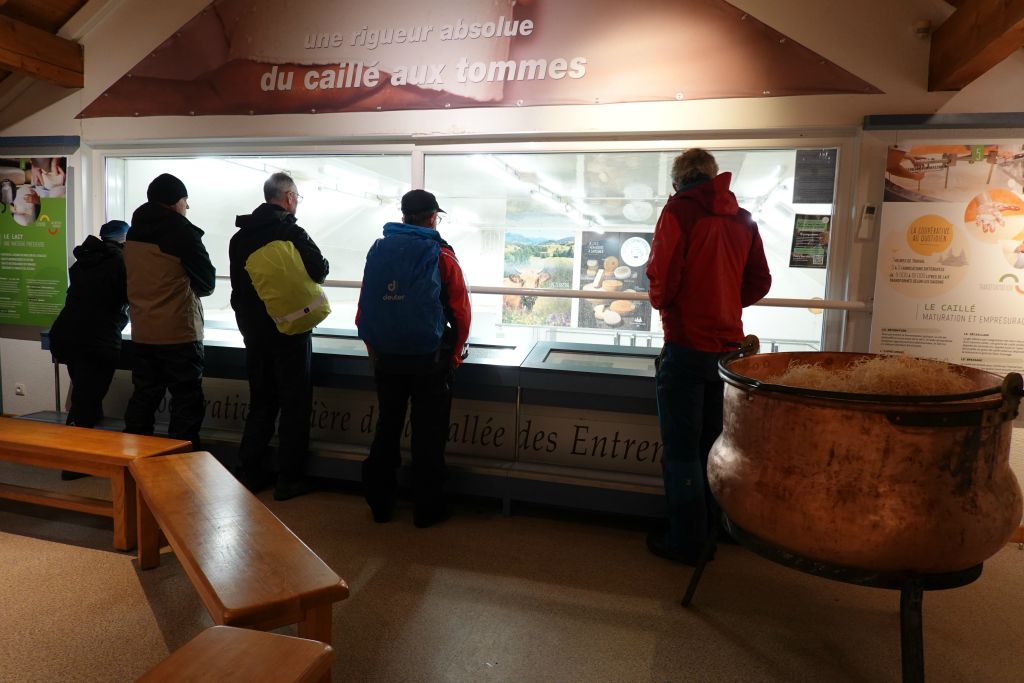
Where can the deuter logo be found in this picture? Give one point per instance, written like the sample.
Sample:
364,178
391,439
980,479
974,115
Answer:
392,286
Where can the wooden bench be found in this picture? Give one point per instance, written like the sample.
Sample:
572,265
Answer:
223,654
248,568
92,451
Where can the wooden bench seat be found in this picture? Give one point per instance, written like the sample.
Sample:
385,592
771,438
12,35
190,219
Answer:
224,654
92,451
248,568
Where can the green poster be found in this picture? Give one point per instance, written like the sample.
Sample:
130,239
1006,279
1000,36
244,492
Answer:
33,240
810,241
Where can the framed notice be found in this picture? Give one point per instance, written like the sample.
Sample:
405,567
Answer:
33,247
810,241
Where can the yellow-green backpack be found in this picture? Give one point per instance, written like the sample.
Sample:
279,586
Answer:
293,300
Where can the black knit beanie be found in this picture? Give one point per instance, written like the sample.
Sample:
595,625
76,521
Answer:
166,189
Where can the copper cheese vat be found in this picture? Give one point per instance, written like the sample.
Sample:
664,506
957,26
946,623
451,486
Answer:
880,483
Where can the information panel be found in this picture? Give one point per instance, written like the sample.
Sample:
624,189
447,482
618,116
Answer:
615,262
33,247
950,278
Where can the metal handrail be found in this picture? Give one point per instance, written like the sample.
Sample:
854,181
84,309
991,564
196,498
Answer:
855,306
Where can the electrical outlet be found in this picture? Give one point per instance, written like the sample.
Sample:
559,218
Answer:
19,389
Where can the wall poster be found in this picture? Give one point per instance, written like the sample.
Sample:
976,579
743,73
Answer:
33,240
540,259
950,277
810,241
615,262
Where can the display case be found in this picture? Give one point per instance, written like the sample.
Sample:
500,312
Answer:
589,428
563,424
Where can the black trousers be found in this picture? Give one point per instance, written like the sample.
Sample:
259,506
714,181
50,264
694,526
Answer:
162,368
279,384
91,374
430,395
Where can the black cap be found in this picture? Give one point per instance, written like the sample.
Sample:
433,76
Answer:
166,189
416,202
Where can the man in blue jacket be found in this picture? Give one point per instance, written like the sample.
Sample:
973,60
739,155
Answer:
414,316
278,365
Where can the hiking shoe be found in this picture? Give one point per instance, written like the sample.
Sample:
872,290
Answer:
426,516
286,489
382,513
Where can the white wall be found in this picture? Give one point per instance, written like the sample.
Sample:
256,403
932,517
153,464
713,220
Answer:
23,362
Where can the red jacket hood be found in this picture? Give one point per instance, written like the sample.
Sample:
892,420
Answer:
713,195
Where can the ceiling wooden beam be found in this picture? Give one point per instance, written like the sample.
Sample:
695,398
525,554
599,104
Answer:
35,52
976,37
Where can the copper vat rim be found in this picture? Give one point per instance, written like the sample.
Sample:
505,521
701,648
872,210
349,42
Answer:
1003,389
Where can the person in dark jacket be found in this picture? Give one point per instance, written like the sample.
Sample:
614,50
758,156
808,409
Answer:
424,380
86,336
168,271
278,365
707,263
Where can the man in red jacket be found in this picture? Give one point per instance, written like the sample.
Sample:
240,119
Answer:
707,263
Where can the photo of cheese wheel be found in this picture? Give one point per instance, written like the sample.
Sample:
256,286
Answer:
622,272
593,288
611,318
611,285
622,306
610,264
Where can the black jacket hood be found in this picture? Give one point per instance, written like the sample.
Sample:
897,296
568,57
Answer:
93,251
264,215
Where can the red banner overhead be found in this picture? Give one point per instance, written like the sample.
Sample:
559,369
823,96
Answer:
292,56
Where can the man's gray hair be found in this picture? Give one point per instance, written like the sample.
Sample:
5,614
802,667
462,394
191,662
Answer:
692,165
277,185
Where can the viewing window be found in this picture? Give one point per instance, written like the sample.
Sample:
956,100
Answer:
539,220
345,202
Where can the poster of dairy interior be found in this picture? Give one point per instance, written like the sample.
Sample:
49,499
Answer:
950,276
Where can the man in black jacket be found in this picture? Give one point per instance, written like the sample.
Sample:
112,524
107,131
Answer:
168,271
278,365
86,336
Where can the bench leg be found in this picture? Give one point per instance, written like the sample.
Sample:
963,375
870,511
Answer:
122,489
149,534
317,622
317,626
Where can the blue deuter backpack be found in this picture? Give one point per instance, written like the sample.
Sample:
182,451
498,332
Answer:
400,309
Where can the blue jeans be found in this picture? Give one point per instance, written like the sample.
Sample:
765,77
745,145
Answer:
690,396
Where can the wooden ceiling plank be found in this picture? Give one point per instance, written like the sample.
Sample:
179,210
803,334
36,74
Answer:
29,50
976,37
48,15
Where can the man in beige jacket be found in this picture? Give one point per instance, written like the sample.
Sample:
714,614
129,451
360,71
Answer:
168,271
